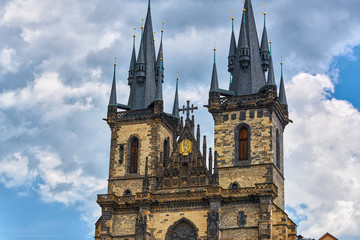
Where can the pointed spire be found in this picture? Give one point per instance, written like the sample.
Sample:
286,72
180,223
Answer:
210,161
232,50
149,5
113,100
132,61
204,149
264,50
145,92
159,93
198,134
160,55
282,94
243,44
214,78
175,111
271,74
248,76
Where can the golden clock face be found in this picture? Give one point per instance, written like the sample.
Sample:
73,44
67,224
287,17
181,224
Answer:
185,147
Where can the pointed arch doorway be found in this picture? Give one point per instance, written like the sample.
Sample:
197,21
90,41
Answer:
183,229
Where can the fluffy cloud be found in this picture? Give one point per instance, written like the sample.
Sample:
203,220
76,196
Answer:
323,158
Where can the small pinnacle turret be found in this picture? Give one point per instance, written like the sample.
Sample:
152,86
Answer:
160,73
271,74
214,78
175,111
113,100
244,53
132,62
264,50
232,51
159,93
282,94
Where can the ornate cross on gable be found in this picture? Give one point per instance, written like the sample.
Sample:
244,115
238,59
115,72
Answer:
188,109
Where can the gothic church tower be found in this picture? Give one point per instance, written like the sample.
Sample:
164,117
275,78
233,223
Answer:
165,184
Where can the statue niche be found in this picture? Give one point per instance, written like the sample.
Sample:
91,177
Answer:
183,229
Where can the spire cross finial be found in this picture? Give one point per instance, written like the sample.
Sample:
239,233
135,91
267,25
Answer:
188,109
115,61
264,15
232,20
214,52
282,63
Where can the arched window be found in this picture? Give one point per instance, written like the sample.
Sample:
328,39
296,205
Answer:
278,151
243,144
242,219
234,186
134,155
166,152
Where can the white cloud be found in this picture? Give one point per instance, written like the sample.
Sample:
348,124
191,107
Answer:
15,172
52,98
8,61
323,158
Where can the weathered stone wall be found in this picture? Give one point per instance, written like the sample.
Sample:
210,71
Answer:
151,135
160,222
230,216
243,176
260,136
124,224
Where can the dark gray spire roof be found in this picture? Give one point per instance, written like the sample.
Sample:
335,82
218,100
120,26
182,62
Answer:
249,80
145,92
159,92
214,78
271,74
133,58
264,39
113,100
282,94
243,39
232,50
160,54
175,111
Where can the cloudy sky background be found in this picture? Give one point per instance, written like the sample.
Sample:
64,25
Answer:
56,66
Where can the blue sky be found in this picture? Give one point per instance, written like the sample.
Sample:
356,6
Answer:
56,66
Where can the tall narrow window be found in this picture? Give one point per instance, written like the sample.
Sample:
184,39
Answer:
166,152
278,151
134,155
243,144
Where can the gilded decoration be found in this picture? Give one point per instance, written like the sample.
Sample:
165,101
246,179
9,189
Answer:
185,147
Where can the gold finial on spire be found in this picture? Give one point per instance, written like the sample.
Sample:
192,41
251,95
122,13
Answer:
162,28
115,61
214,46
178,75
282,60
264,9
142,23
134,32
154,36
232,17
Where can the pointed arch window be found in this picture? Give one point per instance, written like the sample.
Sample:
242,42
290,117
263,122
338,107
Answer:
242,137
134,155
243,144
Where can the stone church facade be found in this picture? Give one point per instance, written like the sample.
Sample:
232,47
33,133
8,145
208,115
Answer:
165,184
